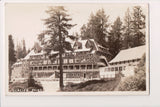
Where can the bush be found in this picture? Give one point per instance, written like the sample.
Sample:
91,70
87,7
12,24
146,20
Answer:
136,82
32,84
31,81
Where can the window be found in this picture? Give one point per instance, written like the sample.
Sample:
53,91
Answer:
35,68
72,75
77,61
77,66
116,68
65,67
49,61
54,67
94,66
89,66
49,68
78,75
112,69
54,61
44,68
40,68
120,68
70,67
45,62
65,61
83,66
70,60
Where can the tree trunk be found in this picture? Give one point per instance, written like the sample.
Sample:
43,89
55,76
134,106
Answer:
61,61
10,71
61,71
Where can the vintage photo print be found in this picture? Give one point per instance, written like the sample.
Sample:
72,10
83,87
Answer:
77,49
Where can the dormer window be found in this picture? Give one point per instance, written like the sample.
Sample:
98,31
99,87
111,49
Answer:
78,45
90,44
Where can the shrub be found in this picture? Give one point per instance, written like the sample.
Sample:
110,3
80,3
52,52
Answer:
31,81
32,84
136,82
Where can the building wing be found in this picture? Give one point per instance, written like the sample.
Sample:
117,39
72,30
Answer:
129,54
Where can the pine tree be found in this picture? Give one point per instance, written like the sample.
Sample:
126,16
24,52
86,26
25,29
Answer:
96,28
84,32
57,29
19,51
115,39
12,57
24,49
128,31
138,26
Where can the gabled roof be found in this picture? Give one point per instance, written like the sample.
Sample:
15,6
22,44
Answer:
83,43
33,53
29,54
129,54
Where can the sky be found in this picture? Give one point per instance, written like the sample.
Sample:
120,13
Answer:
24,21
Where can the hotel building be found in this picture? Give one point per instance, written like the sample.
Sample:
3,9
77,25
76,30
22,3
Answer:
81,64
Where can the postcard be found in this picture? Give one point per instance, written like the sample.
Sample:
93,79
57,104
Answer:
77,49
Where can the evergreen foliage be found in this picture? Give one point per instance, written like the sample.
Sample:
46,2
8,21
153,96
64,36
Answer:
115,39
136,82
57,31
96,28
21,51
12,56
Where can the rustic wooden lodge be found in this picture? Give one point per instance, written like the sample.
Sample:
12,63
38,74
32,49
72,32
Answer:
86,62
82,63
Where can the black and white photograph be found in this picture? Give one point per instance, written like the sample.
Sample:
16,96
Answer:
77,49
